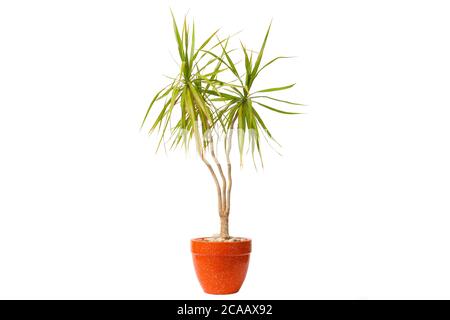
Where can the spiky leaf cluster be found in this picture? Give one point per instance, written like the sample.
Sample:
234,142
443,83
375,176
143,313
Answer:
199,101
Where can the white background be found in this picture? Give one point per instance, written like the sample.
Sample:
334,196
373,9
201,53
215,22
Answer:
357,207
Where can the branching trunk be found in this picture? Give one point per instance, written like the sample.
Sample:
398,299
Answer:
227,153
224,233
224,228
224,191
222,175
216,181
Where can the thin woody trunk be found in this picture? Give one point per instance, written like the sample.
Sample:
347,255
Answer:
216,181
223,213
213,174
224,227
221,192
224,233
224,192
230,180
219,167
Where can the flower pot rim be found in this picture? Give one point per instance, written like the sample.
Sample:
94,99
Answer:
203,240
200,246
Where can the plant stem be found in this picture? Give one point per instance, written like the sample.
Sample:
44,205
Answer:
224,221
224,227
216,181
222,196
230,180
224,181
222,213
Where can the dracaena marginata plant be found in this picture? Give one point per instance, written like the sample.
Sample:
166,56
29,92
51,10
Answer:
210,101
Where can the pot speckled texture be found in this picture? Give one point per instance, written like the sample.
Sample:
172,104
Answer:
221,267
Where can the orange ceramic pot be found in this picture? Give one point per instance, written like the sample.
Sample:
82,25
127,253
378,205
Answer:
221,267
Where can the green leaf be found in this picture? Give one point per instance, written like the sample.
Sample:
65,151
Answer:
276,110
204,44
276,89
178,38
193,119
192,42
279,100
231,64
261,123
248,66
272,61
185,38
160,117
201,103
156,98
221,94
260,55
173,101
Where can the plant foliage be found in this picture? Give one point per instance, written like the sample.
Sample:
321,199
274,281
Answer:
190,102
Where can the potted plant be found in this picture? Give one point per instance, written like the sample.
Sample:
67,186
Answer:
211,103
